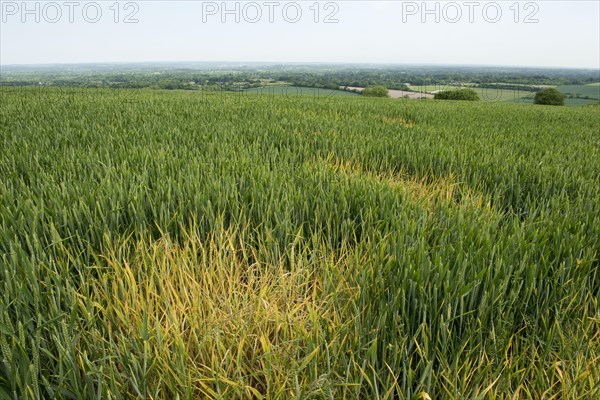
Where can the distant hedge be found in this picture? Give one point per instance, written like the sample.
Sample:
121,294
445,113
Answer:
458,94
550,96
375,91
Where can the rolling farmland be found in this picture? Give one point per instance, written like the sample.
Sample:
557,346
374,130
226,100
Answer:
578,95
293,91
492,95
193,245
592,90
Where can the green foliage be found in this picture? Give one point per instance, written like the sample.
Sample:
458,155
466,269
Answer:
458,94
549,96
242,76
207,245
375,91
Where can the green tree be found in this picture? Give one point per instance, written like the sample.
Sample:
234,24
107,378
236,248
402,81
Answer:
458,94
375,91
550,96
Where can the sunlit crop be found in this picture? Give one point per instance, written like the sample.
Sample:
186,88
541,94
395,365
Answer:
185,245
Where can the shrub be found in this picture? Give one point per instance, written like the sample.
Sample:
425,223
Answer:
550,97
458,94
375,91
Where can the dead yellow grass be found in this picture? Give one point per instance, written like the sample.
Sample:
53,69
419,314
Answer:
242,326
398,121
444,190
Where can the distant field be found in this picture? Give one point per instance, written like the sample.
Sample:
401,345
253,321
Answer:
300,91
594,84
504,95
485,94
431,88
524,96
394,94
593,91
579,102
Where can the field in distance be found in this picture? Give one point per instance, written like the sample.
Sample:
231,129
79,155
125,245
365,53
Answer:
576,94
485,94
299,91
581,94
189,245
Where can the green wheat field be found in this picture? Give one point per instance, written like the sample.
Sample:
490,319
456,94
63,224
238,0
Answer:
177,245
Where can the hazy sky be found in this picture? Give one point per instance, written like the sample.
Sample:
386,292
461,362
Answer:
539,33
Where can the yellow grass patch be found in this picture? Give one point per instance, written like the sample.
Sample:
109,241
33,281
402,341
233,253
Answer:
445,190
397,121
242,327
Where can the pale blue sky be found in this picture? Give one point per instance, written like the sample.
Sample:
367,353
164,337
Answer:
567,33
